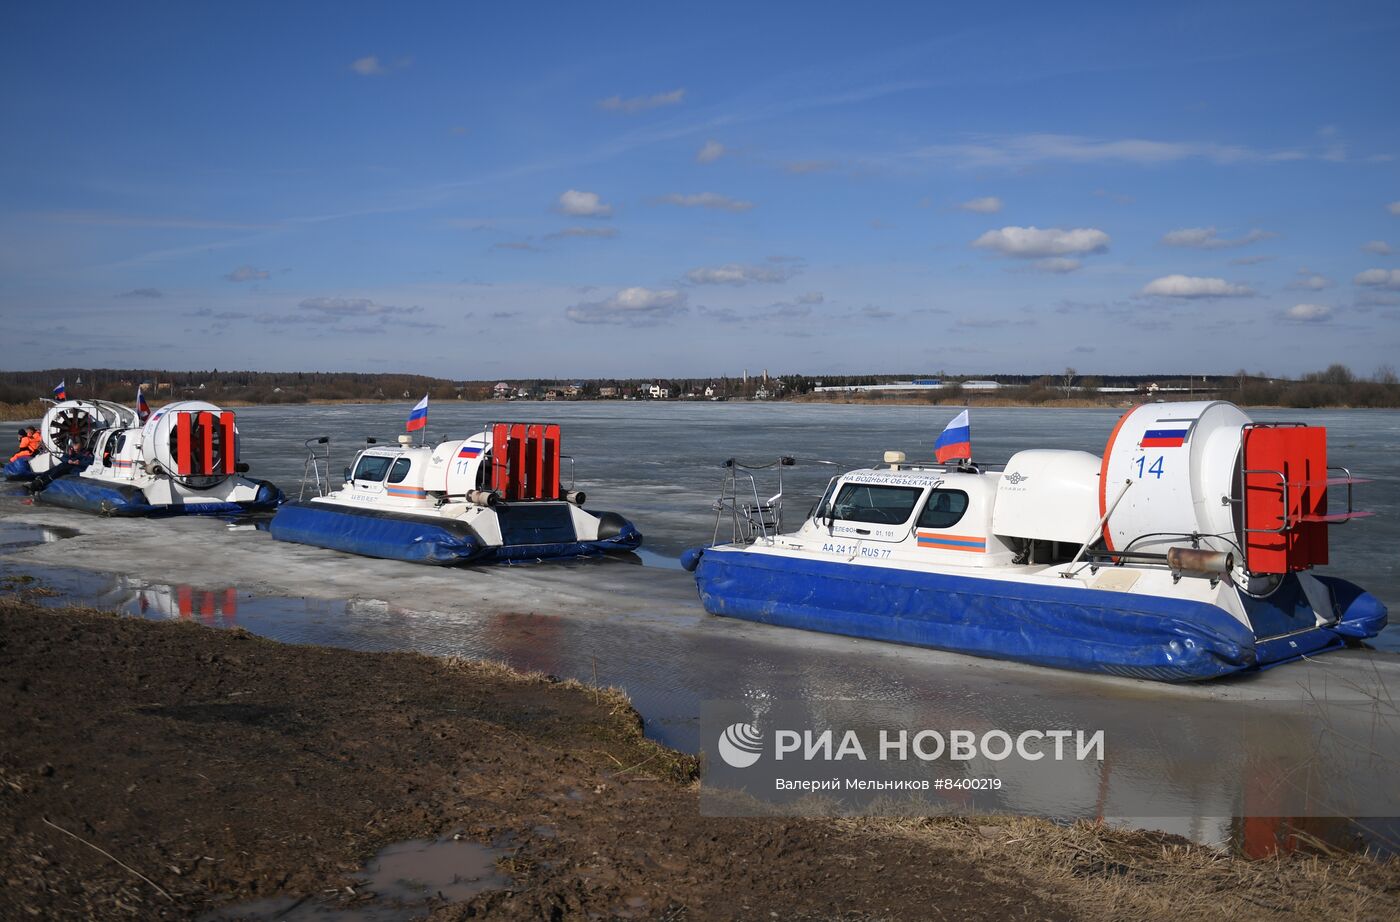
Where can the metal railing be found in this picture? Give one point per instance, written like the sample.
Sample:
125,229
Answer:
316,469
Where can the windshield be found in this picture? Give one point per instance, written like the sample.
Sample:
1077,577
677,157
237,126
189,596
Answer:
882,505
372,467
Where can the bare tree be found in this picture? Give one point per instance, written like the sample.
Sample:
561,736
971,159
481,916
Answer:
1069,376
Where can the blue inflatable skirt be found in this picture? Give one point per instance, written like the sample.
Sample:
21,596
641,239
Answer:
89,495
1066,627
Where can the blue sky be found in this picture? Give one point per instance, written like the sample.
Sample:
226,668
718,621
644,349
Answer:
635,190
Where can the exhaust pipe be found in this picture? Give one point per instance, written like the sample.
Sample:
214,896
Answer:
1197,562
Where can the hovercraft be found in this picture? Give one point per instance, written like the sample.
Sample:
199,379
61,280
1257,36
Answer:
182,461
63,423
495,497
1186,552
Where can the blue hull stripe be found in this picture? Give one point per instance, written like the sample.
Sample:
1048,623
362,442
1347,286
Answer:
90,495
1069,627
418,539
18,469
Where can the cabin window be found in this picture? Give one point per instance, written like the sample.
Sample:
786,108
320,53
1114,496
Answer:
113,447
372,467
863,502
400,470
944,509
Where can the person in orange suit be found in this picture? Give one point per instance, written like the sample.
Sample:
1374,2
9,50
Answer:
29,443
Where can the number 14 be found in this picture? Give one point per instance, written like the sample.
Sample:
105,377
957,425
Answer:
1155,469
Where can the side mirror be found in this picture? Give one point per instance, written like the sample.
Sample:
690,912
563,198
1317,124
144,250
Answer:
347,475
242,467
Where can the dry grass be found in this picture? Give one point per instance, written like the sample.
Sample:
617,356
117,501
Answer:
621,721
22,412
615,698
1123,874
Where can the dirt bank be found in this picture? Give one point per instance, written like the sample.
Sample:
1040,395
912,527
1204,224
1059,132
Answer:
159,770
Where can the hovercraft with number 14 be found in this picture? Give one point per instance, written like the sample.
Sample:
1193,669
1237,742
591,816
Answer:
1188,551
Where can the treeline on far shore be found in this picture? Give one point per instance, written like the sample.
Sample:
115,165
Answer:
1335,386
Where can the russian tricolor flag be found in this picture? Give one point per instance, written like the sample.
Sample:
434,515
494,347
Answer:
61,392
469,451
1164,438
419,417
955,441
143,409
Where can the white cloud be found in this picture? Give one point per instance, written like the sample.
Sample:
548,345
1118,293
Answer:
642,103
368,66
1058,264
353,307
706,200
582,205
1393,208
1207,238
1308,313
371,66
1388,279
584,232
711,152
1034,242
1378,247
1309,281
1024,150
735,274
634,306
1188,286
247,274
987,204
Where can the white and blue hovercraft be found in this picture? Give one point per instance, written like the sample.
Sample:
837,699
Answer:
182,461
495,497
1184,553
64,422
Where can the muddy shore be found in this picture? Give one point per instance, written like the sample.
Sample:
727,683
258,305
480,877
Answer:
158,770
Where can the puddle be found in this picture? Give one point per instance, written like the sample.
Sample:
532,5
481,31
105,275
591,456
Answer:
14,535
400,883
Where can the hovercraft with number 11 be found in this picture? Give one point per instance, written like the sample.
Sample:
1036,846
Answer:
1188,551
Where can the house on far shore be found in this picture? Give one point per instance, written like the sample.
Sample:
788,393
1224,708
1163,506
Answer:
659,392
608,392
502,391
